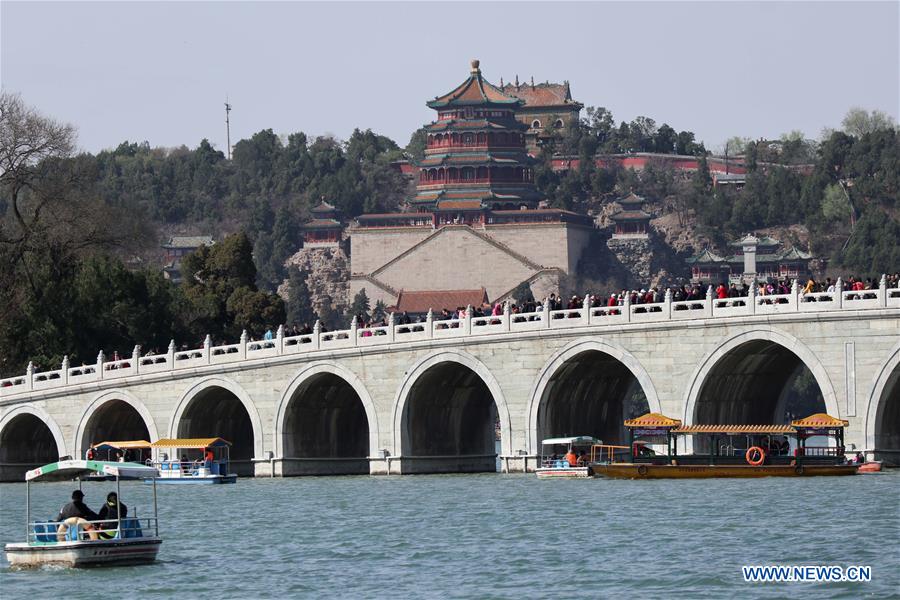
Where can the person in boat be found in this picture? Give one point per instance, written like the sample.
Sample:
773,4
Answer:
112,510
77,508
860,458
571,458
208,458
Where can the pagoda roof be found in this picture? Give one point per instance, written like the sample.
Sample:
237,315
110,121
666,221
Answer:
475,158
322,224
760,241
189,241
542,94
631,198
474,91
795,254
820,420
706,256
323,207
631,215
651,420
460,205
469,124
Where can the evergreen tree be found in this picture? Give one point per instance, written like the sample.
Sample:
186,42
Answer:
360,306
298,306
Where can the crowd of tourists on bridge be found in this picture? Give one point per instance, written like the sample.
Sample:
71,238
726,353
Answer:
642,300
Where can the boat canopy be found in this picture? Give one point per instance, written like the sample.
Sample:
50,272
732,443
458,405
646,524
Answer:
125,445
65,470
737,429
652,421
820,421
579,440
191,443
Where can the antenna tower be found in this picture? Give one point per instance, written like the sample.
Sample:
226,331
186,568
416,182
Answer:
228,128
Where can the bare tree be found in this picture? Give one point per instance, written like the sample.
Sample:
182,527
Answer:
28,140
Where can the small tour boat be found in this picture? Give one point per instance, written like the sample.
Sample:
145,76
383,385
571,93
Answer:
871,466
76,542
730,450
553,461
132,451
200,460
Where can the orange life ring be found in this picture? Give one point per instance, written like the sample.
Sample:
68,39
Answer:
755,462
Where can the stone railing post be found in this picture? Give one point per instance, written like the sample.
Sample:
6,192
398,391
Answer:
751,299
667,301
391,328
170,354
317,335
709,301
468,320
546,315
100,359
207,344
29,376
507,316
882,290
429,323
839,293
794,301
586,306
65,370
626,307
354,326
135,360
279,339
243,349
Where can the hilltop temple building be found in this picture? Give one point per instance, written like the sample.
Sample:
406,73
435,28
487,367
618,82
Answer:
753,259
545,107
476,221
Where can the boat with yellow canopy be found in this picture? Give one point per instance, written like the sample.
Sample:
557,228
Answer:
730,450
193,460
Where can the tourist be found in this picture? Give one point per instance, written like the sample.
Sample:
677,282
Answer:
571,458
77,508
111,511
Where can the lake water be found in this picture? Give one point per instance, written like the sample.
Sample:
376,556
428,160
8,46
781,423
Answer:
501,536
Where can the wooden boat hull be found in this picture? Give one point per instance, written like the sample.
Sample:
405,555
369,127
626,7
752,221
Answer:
86,553
647,471
562,473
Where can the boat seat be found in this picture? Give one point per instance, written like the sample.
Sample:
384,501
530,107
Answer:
44,532
131,528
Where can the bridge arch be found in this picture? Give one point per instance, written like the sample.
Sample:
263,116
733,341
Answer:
883,410
113,415
198,415
452,363
29,438
350,402
759,339
539,397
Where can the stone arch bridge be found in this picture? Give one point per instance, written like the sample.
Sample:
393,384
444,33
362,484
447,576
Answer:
437,396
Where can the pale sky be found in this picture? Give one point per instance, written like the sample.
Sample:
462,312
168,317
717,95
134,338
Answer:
160,72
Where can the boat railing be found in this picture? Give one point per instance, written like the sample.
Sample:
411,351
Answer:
189,467
607,453
53,532
830,451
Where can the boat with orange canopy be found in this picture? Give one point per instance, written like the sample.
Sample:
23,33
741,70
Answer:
730,450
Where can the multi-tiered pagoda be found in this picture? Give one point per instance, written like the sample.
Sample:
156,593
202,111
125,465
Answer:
475,158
